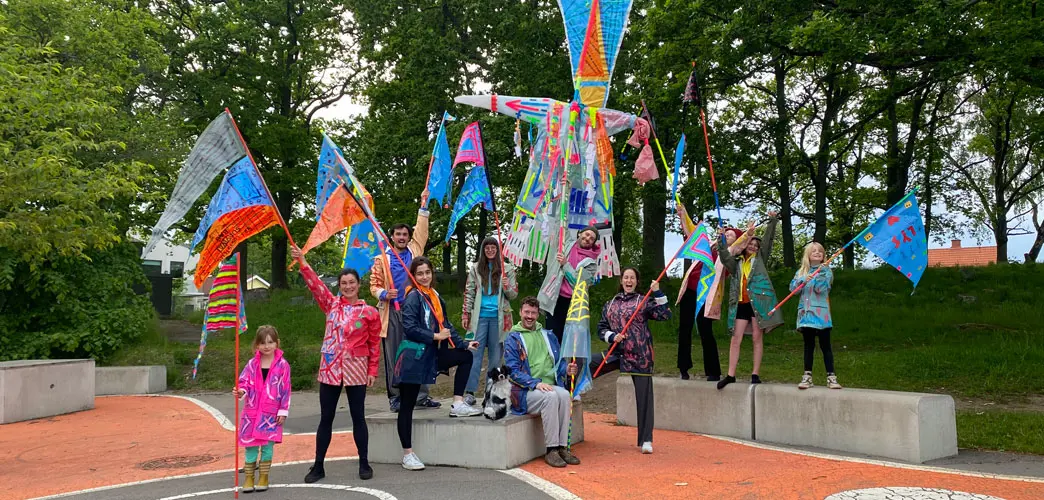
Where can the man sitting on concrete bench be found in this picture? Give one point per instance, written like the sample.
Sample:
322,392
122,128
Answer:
531,353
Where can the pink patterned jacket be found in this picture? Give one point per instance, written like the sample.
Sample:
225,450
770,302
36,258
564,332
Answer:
352,328
265,401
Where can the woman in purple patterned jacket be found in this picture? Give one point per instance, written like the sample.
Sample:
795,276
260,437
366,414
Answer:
634,354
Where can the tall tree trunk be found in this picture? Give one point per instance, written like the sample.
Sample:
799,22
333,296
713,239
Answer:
1038,242
447,261
244,269
654,218
483,225
284,200
780,131
822,160
462,256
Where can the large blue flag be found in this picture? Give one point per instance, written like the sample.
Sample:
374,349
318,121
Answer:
360,247
898,238
698,248
441,165
679,153
476,190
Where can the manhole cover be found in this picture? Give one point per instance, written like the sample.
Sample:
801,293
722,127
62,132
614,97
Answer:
905,493
177,462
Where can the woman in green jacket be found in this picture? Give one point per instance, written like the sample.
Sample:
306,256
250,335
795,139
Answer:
751,297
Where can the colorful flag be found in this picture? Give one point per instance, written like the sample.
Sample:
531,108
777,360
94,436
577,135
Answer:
476,190
898,238
361,247
692,90
240,209
679,153
331,167
441,168
470,149
338,214
698,248
215,149
594,33
225,307
576,336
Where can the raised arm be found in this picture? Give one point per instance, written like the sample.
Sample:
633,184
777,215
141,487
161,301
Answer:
322,295
420,231
770,236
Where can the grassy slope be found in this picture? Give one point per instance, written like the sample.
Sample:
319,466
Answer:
975,334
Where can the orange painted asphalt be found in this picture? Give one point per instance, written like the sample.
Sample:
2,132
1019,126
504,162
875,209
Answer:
104,447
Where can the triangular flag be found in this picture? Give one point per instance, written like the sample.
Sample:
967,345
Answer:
898,238
470,149
441,168
576,336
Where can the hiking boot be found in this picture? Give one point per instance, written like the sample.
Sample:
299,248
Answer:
315,473
554,459
393,405
832,382
365,471
412,462
262,475
427,402
647,448
725,381
806,381
469,399
463,409
568,456
755,379
248,483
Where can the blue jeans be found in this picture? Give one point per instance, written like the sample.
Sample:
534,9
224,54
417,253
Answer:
487,333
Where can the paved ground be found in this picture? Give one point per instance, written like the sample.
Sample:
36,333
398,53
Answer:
168,447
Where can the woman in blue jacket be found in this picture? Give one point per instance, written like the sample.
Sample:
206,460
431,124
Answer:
430,345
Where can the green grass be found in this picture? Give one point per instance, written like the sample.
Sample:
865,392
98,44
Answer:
937,340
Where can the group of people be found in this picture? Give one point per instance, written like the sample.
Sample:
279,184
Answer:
411,327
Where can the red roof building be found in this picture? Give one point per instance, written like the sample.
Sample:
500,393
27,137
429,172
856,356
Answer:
957,255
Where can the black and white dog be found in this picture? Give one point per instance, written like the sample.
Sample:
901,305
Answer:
498,393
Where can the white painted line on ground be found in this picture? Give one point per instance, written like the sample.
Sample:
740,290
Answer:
380,494
183,476
870,461
553,490
222,420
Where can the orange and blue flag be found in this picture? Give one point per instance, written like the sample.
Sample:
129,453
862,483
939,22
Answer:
225,307
698,248
240,209
898,238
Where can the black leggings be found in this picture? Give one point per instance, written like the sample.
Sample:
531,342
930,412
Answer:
556,322
705,327
328,396
810,335
448,358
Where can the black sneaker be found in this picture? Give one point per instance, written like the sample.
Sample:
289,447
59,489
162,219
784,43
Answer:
685,374
365,471
713,378
393,405
726,381
755,379
315,473
428,403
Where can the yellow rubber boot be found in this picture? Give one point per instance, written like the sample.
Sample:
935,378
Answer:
262,477
248,483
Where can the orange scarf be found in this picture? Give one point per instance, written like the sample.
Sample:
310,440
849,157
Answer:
433,302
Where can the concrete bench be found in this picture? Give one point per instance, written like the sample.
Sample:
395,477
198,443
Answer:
42,388
908,426
692,406
473,442
913,427
113,380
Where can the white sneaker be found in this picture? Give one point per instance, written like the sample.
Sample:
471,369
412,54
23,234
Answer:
832,382
463,409
412,462
806,381
647,447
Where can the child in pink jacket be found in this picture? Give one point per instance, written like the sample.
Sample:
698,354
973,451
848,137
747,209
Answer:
264,386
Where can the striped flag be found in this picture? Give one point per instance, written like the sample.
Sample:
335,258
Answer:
225,307
698,248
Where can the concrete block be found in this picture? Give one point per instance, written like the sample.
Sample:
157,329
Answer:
112,380
913,427
692,406
473,442
42,388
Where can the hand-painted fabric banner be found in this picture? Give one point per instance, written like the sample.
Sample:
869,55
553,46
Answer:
361,247
240,209
331,167
692,90
476,190
698,248
470,149
576,337
215,149
679,153
225,307
340,213
898,238
594,31
441,168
